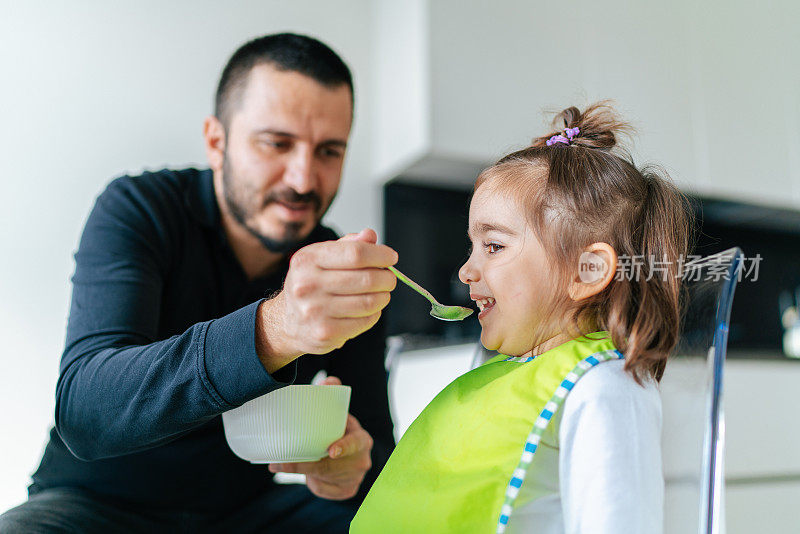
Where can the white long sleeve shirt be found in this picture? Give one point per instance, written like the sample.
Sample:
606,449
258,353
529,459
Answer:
597,469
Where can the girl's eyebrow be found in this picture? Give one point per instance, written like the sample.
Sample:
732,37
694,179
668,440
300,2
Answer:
482,228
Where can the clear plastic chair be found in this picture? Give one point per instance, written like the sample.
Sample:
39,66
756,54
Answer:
693,434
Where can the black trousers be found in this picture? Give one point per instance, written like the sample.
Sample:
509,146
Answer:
286,509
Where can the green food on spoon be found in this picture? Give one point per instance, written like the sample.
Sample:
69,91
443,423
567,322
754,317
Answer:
440,311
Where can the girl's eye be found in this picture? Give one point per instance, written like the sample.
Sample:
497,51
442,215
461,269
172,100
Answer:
493,248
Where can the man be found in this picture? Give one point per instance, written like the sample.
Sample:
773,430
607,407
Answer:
169,325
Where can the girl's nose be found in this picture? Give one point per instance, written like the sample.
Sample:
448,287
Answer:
467,273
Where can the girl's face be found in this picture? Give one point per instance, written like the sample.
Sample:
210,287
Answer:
507,273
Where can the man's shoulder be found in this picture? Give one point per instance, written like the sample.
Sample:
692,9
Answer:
156,203
164,182
166,193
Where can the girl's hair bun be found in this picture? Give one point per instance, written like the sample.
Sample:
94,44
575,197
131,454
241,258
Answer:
599,124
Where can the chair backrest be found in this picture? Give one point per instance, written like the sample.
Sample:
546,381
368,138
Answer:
693,433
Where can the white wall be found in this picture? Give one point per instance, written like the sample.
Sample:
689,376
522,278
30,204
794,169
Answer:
91,90
401,103
712,87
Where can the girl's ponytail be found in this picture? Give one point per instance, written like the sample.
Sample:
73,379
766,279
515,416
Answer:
645,323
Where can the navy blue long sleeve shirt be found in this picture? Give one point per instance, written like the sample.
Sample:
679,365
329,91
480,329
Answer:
161,340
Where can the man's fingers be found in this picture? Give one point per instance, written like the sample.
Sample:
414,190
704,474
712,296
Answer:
333,492
353,306
331,381
313,319
358,325
357,281
280,468
367,235
346,446
304,468
348,254
355,440
339,476
332,333
352,424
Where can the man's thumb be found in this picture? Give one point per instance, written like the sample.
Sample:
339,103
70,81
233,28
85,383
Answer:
367,235
331,381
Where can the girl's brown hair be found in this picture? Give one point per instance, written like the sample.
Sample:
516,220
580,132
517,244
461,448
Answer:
590,191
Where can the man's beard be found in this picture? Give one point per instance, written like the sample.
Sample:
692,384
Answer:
244,203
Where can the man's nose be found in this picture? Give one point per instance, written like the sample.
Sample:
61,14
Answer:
299,174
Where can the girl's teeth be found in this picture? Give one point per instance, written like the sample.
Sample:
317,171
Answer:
483,303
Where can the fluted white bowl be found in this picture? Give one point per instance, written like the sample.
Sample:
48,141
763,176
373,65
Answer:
291,424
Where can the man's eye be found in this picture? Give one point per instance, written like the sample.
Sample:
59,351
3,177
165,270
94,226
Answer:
330,153
281,145
493,247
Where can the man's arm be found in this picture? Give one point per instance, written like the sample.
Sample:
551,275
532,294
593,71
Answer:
120,389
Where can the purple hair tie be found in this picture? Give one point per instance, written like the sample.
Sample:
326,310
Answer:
570,133
557,139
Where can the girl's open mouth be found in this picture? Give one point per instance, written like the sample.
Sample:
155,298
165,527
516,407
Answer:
485,305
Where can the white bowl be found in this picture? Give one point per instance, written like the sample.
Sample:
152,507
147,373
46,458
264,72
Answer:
291,424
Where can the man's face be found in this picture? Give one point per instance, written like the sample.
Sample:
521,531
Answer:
284,152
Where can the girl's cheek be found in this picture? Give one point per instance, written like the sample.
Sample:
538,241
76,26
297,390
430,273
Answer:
488,277
501,280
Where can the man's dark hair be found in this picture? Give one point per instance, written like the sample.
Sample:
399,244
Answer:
285,51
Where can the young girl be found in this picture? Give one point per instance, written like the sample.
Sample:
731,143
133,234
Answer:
561,431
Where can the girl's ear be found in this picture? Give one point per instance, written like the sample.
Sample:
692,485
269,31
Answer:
596,268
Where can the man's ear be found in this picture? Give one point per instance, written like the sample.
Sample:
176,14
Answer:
214,135
596,268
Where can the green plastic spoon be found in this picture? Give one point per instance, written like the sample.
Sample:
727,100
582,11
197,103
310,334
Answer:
440,311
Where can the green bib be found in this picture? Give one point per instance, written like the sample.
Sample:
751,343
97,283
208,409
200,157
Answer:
461,463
